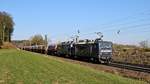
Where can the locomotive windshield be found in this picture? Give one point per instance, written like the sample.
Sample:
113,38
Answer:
106,45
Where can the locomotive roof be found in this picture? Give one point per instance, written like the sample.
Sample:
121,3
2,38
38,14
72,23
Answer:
92,42
85,43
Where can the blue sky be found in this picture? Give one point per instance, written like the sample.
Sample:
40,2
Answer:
60,19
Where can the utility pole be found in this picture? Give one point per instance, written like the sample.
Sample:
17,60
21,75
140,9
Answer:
77,36
1,36
46,41
100,35
46,44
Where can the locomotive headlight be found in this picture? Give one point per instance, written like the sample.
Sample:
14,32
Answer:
103,57
106,50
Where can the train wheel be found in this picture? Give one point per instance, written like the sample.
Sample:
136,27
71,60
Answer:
99,61
75,57
108,61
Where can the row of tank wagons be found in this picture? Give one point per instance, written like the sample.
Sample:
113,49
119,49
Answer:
35,48
51,49
95,50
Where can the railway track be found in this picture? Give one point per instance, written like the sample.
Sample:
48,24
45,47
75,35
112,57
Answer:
119,65
131,67
113,64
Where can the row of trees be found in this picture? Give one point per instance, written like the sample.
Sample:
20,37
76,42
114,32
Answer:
6,27
34,40
37,40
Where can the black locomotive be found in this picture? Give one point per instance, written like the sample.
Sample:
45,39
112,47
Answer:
97,50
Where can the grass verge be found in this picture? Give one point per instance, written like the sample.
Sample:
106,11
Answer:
21,67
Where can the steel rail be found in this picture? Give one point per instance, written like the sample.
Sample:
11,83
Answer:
131,67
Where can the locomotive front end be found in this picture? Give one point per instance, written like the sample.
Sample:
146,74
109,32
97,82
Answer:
105,51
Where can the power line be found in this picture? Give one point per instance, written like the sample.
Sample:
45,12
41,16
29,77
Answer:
133,16
144,30
123,28
123,24
129,27
110,25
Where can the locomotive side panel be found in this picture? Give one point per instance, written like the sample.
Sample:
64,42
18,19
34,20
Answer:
86,50
63,50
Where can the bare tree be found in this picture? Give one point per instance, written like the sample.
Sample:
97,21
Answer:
144,44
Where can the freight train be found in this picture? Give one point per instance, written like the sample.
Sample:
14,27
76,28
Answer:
95,50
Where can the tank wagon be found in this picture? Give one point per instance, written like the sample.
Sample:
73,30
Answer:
52,49
35,48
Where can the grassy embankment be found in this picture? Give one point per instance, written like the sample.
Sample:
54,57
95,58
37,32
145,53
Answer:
21,67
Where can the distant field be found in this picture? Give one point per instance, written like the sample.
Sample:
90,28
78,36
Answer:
131,54
21,67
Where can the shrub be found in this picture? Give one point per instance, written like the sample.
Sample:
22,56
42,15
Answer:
7,45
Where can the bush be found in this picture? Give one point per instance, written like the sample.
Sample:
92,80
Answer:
7,45
131,54
147,49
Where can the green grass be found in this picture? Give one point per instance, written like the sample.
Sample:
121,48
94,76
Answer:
21,67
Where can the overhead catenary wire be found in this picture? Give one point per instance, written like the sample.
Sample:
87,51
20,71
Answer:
129,27
132,16
124,24
111,25
115,27
120,25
